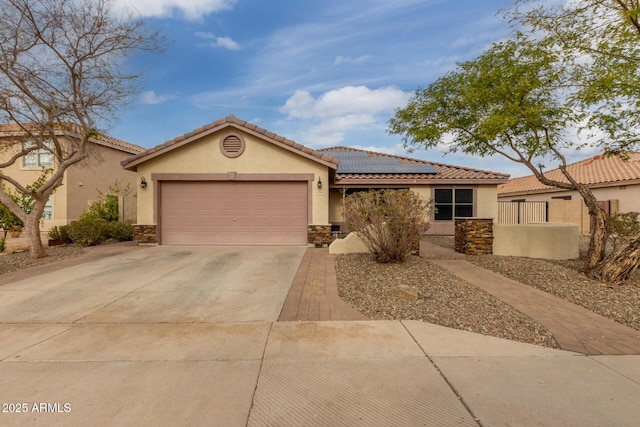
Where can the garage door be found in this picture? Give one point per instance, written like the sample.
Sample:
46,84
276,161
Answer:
233,213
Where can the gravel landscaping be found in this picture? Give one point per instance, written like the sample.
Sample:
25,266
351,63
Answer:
446,300
13,261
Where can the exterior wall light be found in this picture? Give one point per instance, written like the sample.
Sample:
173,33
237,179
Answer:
319,182
143,182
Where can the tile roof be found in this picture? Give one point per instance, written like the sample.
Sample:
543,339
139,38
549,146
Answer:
406,170
232,121
14,129
598,171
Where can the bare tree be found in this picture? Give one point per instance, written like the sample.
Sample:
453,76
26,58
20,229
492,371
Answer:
62,74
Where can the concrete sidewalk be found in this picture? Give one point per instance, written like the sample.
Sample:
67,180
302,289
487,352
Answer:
369,373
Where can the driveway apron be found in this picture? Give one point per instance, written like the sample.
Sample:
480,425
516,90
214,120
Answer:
159,284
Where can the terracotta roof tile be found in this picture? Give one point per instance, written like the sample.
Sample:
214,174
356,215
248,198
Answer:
14,129
596,171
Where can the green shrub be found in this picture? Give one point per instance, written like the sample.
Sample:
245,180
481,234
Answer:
2,244
88,231
120,231
106,209
60,233
389,222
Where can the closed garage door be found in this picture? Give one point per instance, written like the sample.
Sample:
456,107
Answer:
233,213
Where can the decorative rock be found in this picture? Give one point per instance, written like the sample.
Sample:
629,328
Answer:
404,292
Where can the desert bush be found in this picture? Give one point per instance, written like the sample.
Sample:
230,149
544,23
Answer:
106,207
3,244
60,233
88,231
120,231
389,222
622,226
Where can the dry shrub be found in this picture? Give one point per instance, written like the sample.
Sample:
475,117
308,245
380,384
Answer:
389,222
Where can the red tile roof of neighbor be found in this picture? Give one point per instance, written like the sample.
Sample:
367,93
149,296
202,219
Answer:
14,129
232,121
598,171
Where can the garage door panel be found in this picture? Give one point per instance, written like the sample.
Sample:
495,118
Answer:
233,213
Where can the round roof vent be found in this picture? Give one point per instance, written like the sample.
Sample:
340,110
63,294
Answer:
232,145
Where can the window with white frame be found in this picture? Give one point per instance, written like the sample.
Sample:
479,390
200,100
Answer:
450,203
36,159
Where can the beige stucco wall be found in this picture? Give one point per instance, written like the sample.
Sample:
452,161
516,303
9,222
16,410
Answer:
336,206
81,182
259,157
487,201
97,173
351,244
541,240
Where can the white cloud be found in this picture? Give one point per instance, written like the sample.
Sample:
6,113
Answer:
344,101
190,9
150,97
335,113
332,131
215,41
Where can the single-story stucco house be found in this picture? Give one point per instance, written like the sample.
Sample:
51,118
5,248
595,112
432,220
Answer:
82,181
233,183
614,180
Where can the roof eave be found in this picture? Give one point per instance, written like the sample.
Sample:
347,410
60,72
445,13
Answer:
133,162
411,181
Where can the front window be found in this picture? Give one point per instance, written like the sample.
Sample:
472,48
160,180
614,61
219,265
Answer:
453,202
39,158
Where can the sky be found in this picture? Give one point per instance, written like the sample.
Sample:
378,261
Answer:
319,72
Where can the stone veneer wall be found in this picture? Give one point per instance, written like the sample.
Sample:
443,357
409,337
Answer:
474,236
319,233
145,234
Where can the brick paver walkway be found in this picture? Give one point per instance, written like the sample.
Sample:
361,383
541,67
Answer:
314,293
575,328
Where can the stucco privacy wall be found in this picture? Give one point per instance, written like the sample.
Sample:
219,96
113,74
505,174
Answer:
557,241
203,156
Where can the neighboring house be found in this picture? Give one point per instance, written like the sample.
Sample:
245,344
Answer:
81,181
233,183
614,180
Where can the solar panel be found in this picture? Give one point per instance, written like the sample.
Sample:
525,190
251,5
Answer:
361,162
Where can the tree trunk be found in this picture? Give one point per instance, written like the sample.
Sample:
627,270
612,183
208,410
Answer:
32,230
599,229
616,268
599,237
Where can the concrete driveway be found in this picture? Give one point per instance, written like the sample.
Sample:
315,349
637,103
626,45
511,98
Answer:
159,284
186,336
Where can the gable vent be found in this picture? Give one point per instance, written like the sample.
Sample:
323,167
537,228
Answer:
232,145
